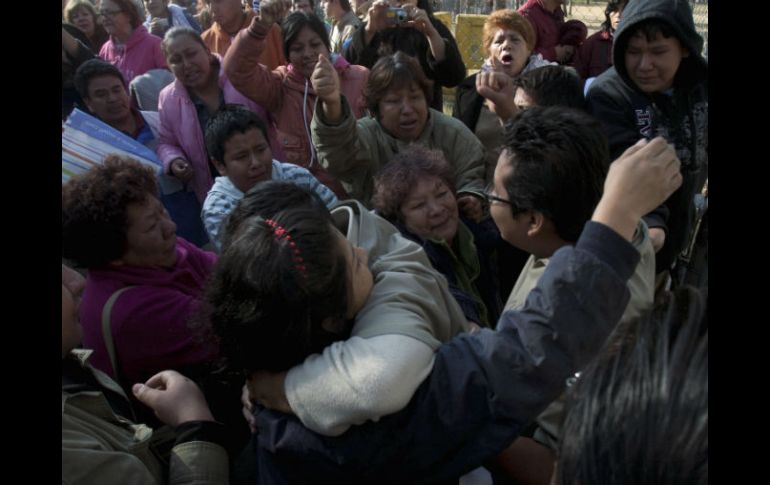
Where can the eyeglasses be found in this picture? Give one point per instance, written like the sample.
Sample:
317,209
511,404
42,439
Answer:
108,13
493,198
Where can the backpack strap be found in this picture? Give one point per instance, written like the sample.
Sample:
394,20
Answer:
107,336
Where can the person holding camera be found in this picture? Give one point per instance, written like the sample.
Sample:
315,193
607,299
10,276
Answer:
409,26
162,15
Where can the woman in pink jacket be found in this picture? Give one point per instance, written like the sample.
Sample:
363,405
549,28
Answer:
287,92
186,105
131,48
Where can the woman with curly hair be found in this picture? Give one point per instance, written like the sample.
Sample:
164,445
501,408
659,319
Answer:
114,225
416,192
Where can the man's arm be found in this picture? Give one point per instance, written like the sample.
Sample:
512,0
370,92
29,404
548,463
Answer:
247,75
484,386
487,385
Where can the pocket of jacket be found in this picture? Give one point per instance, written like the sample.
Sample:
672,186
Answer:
294,149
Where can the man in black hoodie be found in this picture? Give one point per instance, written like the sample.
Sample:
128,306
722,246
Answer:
659,87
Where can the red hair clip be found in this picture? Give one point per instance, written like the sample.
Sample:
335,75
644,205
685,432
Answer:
280,234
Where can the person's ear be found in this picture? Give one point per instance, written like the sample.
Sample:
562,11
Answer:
535,223
87,102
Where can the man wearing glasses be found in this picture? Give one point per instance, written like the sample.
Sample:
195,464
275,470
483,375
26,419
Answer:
486,386
546,186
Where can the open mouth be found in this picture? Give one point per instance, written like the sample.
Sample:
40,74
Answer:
258,176
506,59
408,125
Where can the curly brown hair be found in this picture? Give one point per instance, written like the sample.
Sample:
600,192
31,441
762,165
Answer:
393,72
394,183
95,209
507,19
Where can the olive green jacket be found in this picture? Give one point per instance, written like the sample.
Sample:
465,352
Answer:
354,151
100,446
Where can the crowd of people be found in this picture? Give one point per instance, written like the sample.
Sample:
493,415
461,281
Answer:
329,279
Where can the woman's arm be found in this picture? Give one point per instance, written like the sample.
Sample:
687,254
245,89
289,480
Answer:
169,149
246,74
337,144
444,57
357,380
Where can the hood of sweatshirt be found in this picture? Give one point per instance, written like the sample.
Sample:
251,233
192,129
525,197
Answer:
677,14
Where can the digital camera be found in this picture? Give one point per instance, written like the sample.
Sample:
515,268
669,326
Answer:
396,16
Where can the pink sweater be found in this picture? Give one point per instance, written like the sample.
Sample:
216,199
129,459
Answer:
289,97
140,53
181,136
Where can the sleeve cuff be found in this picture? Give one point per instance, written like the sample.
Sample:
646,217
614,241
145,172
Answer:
318,113
655,221
256,29
210,431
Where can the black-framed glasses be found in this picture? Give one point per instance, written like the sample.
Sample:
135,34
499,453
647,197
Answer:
493,198
108,13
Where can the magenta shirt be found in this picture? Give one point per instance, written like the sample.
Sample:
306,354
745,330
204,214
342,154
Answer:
149,322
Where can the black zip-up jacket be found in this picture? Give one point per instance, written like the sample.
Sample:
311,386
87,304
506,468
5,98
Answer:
627,114
408,40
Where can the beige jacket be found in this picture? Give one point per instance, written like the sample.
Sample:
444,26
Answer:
641,285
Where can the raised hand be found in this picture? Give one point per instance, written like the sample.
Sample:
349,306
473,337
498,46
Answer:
325,80
642,178
376,19
158,26
326,84
418,18
498,90
271,11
